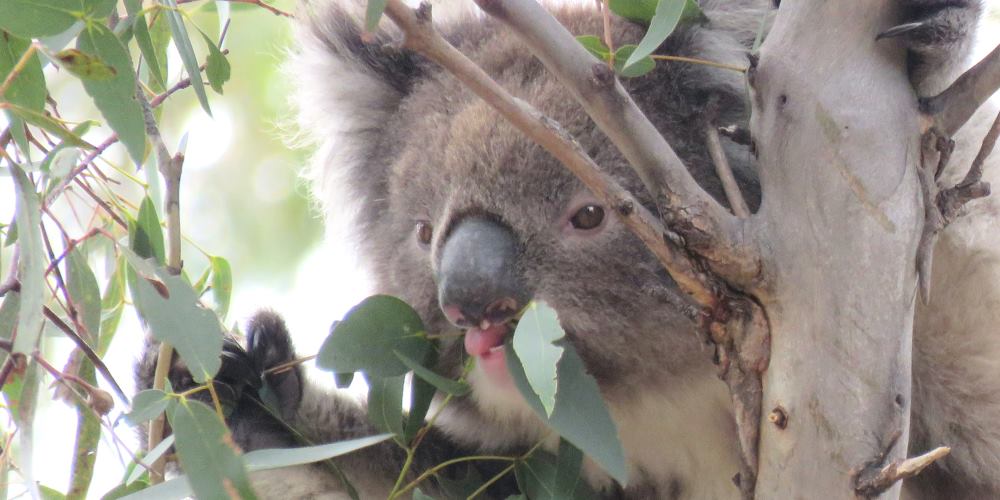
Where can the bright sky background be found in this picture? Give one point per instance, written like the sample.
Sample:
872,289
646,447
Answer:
326,283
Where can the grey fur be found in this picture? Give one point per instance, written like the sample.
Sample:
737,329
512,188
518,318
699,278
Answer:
405,143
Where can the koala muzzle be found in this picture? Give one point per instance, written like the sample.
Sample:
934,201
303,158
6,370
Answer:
478,277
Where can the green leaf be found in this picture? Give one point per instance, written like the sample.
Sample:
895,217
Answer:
538,478
595,46
385,404
112,306
49,124
160,36
284,457
373,12
420,495
84,292
25,418
641,67
444,384
170,307
216,66
183,43
27,89
123,490
569,464
50,493
9,307
534,340
667,17
116,97
343,380
85,66
100,9
38,18
145,42
31,265
148,459
421,395
207,453
146,238
580,414
366,337
146,406
640,11
222,284
266,459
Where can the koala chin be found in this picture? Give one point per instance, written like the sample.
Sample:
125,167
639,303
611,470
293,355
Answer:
465,219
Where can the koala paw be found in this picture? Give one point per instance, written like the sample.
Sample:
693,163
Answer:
243,371
937,28
270,350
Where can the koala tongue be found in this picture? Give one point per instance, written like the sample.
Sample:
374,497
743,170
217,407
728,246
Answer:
479,342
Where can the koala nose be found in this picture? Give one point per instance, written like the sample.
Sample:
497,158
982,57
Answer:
478,277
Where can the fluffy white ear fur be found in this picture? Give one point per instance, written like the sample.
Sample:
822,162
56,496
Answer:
341,105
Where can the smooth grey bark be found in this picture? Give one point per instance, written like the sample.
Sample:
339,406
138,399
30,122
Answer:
836,126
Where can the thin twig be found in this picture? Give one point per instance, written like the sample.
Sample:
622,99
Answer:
725,173
88,351
703,62
899,470
950,109
18,68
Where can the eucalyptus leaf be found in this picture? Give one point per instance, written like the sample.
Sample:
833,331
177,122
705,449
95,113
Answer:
421,396
170,307
639,68
217,67
31,265
183,43
385,404
207,452
145,41
115,97
85,66
38,18
534,339
84,292
27,89
373,12
222,284
595,46
146,406
367,336
667,17
443,384
580,414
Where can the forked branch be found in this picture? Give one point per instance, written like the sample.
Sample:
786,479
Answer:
708,228
950,109
942,206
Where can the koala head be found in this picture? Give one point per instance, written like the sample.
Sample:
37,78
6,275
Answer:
466,219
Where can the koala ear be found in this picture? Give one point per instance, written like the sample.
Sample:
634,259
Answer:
346,91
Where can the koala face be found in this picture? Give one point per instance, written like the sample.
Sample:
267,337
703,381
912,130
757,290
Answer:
467,220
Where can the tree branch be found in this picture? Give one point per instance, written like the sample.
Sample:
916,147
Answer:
950,109
707,227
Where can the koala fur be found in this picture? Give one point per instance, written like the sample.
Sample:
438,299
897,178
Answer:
409,147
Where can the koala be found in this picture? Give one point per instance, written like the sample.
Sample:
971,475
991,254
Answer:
465,219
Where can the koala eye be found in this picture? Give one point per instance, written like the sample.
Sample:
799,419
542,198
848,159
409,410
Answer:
424,232
588,217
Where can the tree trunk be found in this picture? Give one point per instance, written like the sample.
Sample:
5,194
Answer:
836,124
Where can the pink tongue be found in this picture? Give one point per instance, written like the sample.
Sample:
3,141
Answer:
479,342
